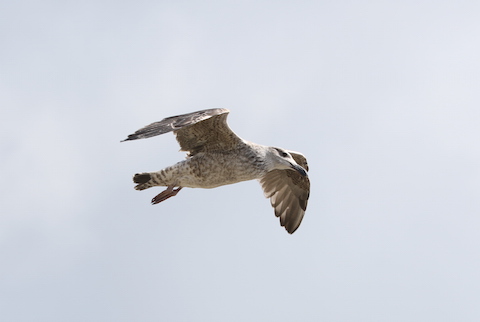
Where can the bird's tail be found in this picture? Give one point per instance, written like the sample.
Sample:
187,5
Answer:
143,181
147,180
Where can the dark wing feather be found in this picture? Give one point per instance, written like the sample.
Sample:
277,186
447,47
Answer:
205,130
174,123
288,192
212,134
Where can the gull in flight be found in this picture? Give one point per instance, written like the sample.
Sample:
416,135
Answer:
216,156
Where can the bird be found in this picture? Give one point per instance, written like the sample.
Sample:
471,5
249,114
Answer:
216,156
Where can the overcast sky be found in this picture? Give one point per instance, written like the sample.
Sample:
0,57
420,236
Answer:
383,97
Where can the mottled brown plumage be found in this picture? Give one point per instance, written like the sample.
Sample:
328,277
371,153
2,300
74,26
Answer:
217,156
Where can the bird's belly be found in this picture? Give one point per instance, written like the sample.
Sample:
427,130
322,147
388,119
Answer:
218,170
213,180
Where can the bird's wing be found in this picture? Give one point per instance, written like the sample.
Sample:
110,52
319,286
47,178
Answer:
288,192
205,130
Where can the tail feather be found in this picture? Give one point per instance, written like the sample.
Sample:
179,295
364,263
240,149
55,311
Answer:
147,180
141,178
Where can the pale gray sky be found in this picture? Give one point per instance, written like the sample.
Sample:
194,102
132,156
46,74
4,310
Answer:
382,97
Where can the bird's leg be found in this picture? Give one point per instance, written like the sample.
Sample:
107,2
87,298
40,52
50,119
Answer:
164,195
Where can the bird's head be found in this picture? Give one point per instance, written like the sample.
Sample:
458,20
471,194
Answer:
280,159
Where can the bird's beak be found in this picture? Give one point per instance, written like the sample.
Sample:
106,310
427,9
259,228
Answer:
299,169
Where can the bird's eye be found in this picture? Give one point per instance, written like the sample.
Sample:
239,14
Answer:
281,153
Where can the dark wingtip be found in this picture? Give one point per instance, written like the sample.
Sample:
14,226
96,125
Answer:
130,137
291,229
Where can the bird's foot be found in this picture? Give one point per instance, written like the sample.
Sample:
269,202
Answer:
164,195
